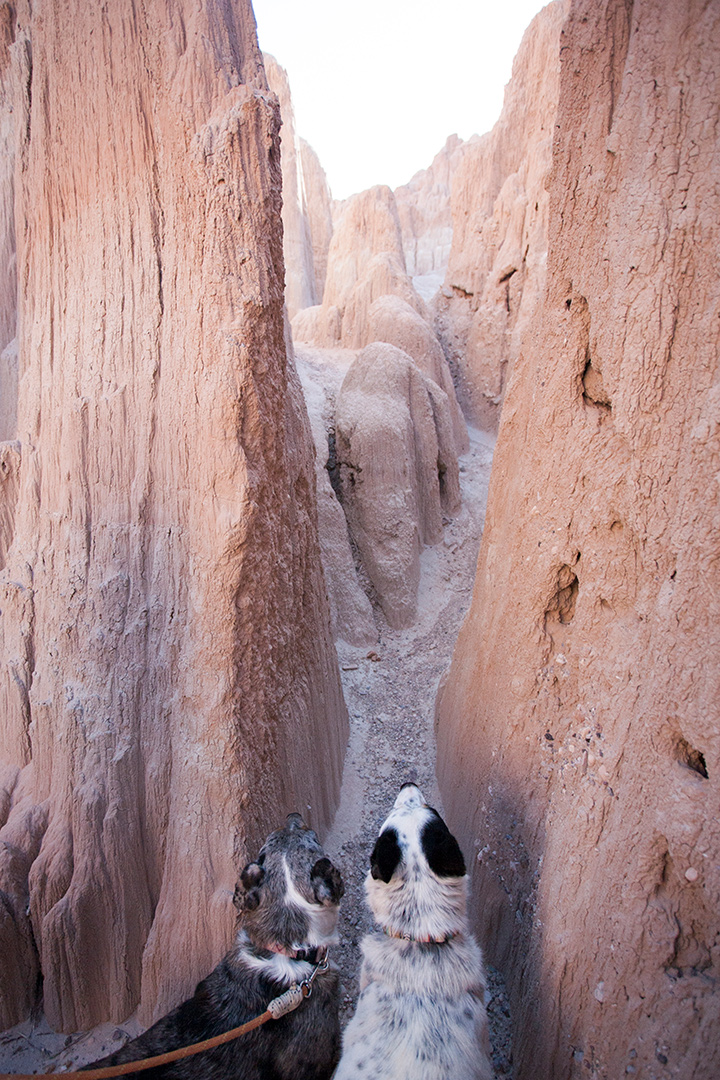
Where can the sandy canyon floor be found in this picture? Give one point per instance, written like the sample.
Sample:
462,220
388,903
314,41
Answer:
390,692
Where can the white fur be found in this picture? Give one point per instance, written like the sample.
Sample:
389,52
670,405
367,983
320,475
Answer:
323,918
282,969
421,1012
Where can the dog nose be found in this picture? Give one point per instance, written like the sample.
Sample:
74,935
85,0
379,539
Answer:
410,795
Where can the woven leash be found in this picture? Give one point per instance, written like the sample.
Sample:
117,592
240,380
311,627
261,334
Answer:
278,1007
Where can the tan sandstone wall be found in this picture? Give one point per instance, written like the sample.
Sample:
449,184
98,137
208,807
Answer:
168,680
579,725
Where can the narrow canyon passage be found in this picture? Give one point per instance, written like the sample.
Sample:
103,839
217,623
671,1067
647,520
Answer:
390,692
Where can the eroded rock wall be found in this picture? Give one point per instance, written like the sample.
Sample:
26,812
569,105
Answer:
307,205
398,468
365,260
496,271
579,726
425,216
14,65
318,209
168,678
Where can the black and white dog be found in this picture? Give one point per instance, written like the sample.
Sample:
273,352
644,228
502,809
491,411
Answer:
288,901
421,1011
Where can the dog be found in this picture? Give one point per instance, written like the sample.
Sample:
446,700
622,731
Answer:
421,1011
288,901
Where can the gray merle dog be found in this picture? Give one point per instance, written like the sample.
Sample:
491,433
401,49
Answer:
289,901
421,1011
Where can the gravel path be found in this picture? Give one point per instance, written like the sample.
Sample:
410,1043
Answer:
390,692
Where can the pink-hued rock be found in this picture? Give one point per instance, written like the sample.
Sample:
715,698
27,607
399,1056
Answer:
307,205
10,457
168,679
321,373
424,211
579,725
369,297
14,76
391,319
9,73
398,470
365,261
496,271
318,209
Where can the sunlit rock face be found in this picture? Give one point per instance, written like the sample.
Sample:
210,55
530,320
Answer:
496,272
391,319
579,728
168,678
318,209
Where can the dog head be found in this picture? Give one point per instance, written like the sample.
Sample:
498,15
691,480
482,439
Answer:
289,896
416,887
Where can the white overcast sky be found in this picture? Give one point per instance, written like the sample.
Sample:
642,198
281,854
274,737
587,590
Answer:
378,85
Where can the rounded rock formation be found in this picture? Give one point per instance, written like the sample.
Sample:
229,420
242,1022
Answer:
398,470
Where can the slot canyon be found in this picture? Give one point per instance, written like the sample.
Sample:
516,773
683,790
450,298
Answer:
302,498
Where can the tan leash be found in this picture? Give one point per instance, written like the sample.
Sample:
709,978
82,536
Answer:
278,1007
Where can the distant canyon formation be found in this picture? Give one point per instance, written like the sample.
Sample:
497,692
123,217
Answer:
183,530
448,268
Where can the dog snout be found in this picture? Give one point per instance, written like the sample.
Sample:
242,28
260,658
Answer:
410,796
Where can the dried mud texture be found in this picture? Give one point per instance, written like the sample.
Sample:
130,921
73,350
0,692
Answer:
579,727
496,273
398,471
168,677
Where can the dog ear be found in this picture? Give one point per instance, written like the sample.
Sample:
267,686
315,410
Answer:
441,849
251,879
386,856
327,882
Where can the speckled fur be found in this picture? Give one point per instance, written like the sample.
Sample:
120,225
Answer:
288,897
421,1012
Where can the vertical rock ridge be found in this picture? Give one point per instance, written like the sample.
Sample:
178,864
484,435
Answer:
579,730
499,201
168,673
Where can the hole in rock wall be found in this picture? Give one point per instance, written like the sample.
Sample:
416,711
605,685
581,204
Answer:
561,609
594,392
332,465
442,481
691,758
